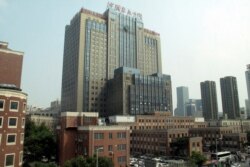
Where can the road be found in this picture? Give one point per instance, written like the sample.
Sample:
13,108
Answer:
246,163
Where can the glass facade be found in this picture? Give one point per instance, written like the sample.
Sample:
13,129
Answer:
132,93
92,42
95,45
149,94
127,34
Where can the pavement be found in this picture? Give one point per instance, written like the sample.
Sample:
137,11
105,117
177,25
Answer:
247,161
245,164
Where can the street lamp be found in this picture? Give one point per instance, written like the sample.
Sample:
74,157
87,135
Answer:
97,150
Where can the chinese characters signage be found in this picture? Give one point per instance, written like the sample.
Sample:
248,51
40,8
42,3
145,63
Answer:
123,10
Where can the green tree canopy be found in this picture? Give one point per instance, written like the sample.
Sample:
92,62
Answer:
39,142
88,162
180,146
197,158
248,137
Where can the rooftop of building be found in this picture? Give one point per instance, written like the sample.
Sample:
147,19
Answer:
86,11
12,91
9,86
3,45
4,48
103,16
77,114
103,127
212,128
170,130
135,71
129,70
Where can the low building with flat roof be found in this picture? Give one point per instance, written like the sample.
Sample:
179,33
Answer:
80,134
220,137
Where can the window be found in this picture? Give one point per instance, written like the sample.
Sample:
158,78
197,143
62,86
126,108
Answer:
12,122
1,122
9,160
22,138
21,158
11,139
121,159
99,136
110,135
110,148
1,104
121,147
121,135
13,105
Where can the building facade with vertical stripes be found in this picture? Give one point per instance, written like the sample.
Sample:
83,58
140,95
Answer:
230,97
97,44
209,100
247,73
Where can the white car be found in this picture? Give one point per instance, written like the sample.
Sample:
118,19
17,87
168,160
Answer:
235,165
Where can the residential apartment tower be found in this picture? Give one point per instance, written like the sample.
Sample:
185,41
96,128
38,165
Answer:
209,100
230,97
182,98
247,73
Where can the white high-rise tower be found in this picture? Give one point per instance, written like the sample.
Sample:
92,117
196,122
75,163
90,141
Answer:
248,90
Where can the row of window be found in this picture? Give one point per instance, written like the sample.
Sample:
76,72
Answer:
120,135
14,105
120,147
12,122
9,160
167,120
11,139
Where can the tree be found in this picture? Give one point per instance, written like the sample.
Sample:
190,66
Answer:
39,143
180,147
248,137
197,158
88,162
40,164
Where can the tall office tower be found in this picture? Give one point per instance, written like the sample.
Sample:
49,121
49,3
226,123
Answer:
182,98
209,100
248,86
230,97
247,104
12,107
193,107
95,45
134,94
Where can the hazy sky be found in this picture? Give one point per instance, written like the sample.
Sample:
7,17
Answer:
200,40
